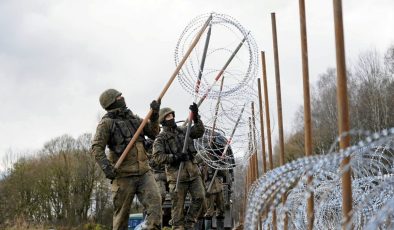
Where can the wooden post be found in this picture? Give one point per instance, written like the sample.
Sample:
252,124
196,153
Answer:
267,111
307,105
278,101
278,91
343,112
255,141
251,159
264,162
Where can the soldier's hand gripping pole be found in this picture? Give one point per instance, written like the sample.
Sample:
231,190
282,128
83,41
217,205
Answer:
184,150
197,88
227,146
178,68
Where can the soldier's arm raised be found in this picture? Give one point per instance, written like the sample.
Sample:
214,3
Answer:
151,128
197,130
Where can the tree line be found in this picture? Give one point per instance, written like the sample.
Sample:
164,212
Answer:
61,185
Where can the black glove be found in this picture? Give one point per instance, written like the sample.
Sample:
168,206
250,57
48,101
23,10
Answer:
110,172
194,109
155,106
191,156
179,157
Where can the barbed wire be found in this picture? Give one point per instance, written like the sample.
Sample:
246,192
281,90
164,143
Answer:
226,34
372,168
231,57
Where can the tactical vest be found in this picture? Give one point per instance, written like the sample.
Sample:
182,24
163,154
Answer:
174,143
122,130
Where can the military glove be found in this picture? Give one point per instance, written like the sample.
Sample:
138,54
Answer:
207,194
110,172
155,106
181,157
194,109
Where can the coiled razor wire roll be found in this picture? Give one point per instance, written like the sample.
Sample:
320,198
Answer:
239,78
243,143
372,164
227,33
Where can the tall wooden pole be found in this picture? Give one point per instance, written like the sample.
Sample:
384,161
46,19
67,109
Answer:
264,162
249,174
255,141
251,158
307,105
343,111
267,111
278,101
278,90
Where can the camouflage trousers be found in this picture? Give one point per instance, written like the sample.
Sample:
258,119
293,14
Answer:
196,190
123,191
162,183
215,200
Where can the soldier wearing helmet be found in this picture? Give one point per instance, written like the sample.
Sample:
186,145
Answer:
167,149
134,176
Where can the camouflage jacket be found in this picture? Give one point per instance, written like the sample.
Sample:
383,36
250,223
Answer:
115,130
158,170
169,142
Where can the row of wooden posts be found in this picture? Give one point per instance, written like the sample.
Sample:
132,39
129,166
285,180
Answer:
343,115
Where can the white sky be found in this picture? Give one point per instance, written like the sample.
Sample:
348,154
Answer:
56,57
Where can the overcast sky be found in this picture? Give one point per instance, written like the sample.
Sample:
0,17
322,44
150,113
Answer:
56,57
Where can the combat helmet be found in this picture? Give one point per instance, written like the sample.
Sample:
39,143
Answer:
108,97
164,112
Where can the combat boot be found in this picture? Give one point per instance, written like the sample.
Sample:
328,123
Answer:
208,223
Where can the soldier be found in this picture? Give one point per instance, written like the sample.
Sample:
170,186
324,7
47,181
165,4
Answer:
200,220
158,170
214,197
167,149
134,175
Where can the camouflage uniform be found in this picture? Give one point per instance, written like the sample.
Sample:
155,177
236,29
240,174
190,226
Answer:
134,176
168,144
215,195
158,170
161,180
